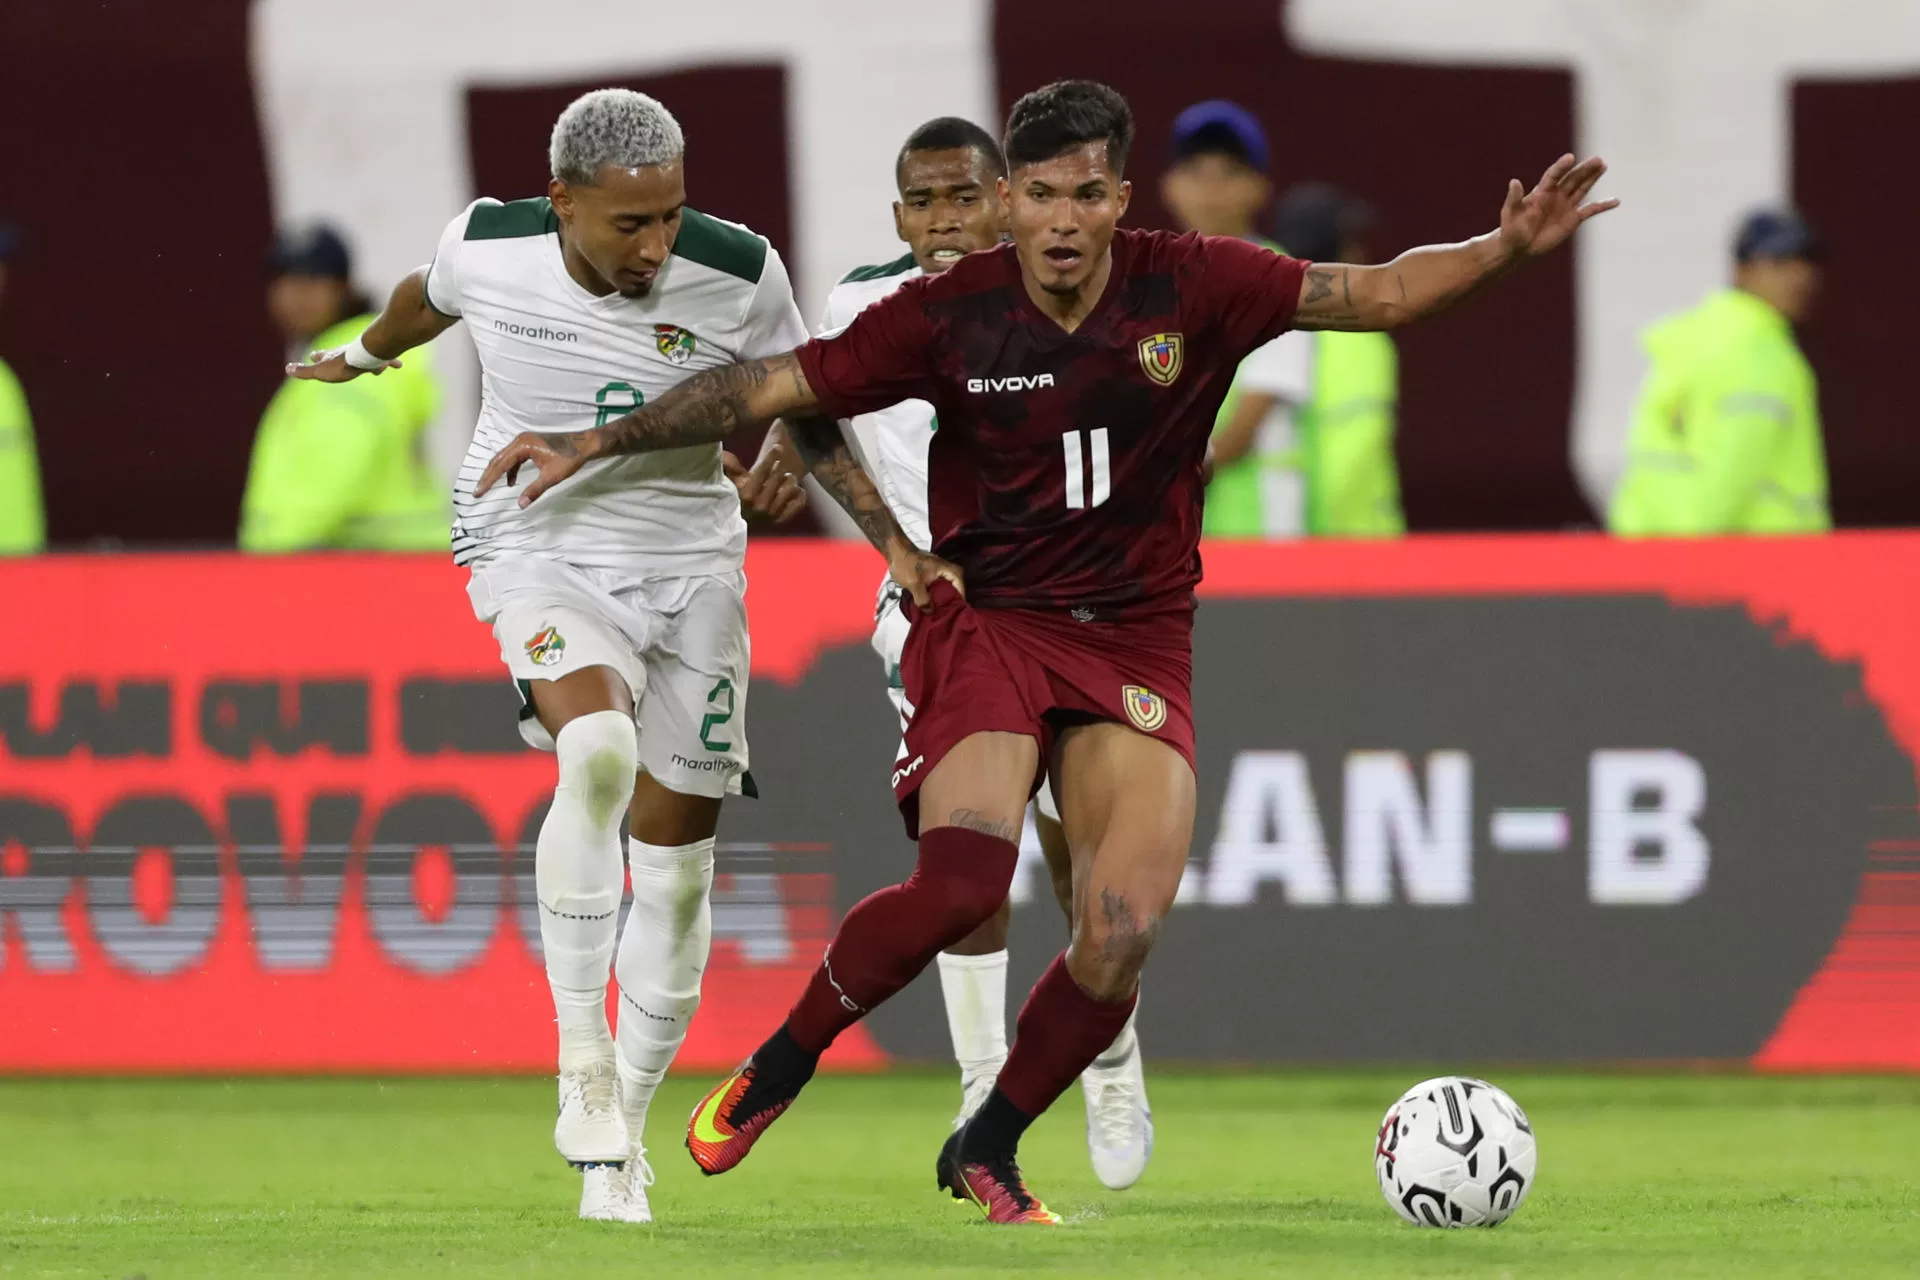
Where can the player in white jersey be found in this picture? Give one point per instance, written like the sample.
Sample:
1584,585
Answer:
617,603
947,208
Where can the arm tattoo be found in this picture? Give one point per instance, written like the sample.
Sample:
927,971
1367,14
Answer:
703,409
983,822
1417,283
709,406
832,464
1318,310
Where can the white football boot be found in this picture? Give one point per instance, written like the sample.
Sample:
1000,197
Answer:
590,1129
617,1192
1119,1121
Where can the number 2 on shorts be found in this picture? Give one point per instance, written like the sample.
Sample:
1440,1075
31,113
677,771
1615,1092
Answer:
714,719
1090,460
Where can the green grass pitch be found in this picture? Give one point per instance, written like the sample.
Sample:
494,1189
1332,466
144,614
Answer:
1255,1174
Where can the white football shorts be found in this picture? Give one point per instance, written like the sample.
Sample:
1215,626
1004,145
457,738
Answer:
679,643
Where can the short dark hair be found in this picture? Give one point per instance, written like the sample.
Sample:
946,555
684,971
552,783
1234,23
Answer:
948,133
1056,118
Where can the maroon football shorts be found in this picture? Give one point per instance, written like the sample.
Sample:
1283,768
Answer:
1035,671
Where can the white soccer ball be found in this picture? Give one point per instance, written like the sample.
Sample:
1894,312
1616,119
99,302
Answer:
1455,1152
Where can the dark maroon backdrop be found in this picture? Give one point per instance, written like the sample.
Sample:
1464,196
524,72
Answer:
130,155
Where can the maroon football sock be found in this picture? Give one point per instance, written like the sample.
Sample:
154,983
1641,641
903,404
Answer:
1061,1030
890,936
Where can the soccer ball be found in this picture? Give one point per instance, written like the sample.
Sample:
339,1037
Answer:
1455,1152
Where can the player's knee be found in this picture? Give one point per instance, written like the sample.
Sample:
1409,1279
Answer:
1111,946
598,754
966,876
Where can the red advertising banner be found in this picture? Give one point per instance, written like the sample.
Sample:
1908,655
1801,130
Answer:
271,815
214,711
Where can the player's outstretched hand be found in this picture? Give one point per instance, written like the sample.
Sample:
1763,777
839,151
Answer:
1539,221
917,571
332,366
769,491
555,457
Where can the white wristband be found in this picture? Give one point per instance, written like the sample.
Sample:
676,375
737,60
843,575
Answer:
359,357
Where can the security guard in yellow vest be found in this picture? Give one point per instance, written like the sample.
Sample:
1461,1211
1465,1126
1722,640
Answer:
22,524
340,467
1726,438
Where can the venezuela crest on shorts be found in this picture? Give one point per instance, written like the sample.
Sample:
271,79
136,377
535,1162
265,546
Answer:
675,343
1161,355
1147,709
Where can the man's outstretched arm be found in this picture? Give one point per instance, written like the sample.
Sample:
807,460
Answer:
1422,281
407,321
704,409
707,408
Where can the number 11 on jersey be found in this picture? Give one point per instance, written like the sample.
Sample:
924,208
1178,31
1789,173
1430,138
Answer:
1088,467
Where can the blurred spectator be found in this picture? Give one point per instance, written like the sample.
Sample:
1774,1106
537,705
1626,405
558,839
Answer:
1217,185
1304,441
1343,450
22,524
340,466
1726,439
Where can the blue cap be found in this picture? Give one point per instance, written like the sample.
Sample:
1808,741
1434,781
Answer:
311,251
9,240
1219,127
1775,233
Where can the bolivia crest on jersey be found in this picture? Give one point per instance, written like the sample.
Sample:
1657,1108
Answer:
1147,709
546,647
1161,356
675,343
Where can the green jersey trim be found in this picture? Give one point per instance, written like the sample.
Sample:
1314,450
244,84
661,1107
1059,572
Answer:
721,245
512,221
899,266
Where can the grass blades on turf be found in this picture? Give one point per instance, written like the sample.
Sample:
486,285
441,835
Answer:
1255,1174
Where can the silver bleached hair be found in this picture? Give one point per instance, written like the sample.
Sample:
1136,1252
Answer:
612,126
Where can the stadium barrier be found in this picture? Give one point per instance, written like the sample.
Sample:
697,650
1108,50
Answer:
1550,798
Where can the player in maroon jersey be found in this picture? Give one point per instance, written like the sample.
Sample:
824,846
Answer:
1076,373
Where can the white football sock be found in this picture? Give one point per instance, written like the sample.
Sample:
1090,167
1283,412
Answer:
1124,1046
577,875
662,955
975,988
